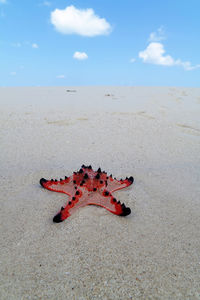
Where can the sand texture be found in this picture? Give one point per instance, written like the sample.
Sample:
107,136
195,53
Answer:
152,134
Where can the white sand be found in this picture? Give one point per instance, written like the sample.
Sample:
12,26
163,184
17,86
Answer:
152,134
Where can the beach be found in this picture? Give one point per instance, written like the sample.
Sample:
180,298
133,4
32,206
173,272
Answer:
150,133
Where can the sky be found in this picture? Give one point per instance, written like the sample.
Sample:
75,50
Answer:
100,42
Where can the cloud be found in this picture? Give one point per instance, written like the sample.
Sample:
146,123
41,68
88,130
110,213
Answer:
132,60
80,55
34,45
17,45
60,76
157,35
13,73
155,54
186,65
46,3
3,1
79,21
21,44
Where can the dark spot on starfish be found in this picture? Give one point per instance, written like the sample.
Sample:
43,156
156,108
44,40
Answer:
61,179
75,187
81,171
66,177
89,167
56,180
42,180
111,175
101,181
106,182
94,189
57,218
77,193
106,193
52,180
75,173
73,198
69,203
99,170
114,200
74,181
86,176
62,208
97,176
83,166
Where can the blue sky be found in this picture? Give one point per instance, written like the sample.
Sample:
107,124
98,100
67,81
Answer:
99,42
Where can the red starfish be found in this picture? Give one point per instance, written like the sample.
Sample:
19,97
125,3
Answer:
87,187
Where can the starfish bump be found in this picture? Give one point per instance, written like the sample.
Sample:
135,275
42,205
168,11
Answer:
87,187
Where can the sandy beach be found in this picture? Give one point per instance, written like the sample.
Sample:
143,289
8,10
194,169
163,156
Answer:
150,133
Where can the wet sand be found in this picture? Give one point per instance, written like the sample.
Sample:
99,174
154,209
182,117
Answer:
150,133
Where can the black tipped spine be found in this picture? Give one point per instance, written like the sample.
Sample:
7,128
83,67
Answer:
42,181
131,179
97,176
125,211
57,218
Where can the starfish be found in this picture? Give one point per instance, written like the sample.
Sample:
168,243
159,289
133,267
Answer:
88,187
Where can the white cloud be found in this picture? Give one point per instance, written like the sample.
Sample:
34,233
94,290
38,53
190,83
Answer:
79,21
46,3
60,76
13,73
155,54
3,1
132,60
34,45
21,44
17,45
186,65
157,35
80,55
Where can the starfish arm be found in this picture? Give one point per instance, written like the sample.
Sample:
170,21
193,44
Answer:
65,186
107,201
73,204
114,184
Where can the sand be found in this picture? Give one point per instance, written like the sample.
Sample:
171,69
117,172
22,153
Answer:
150,133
